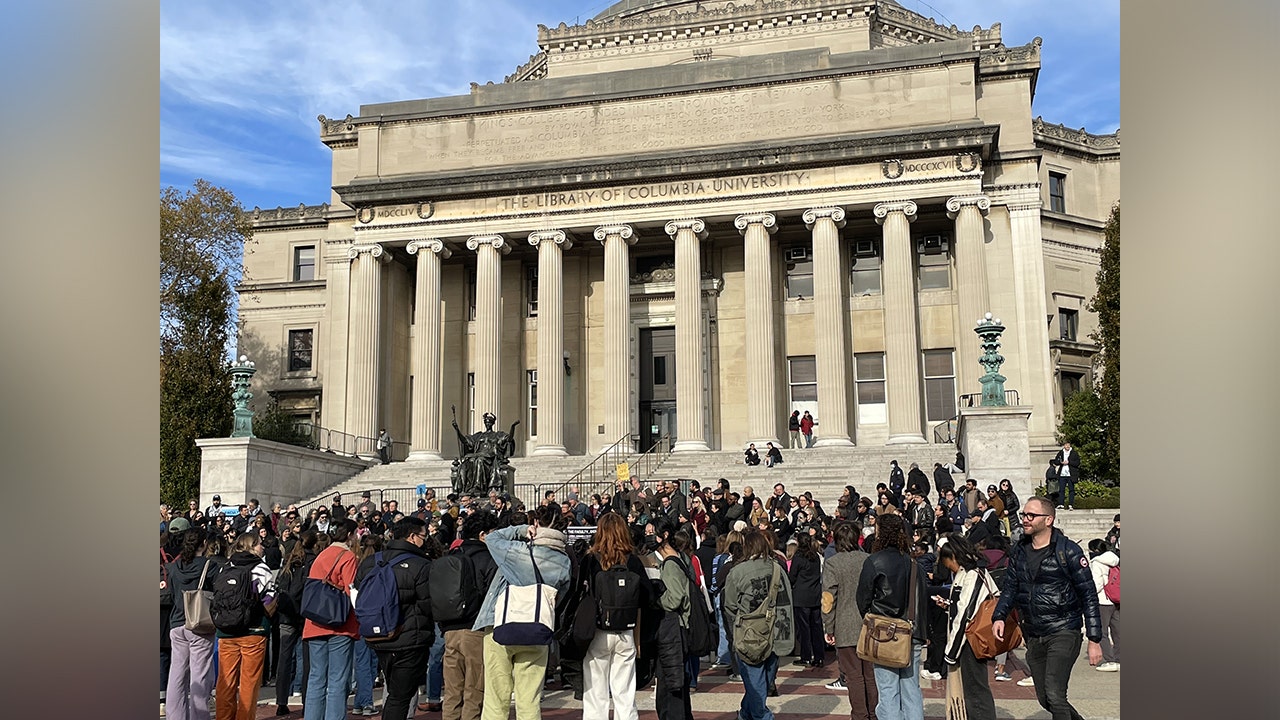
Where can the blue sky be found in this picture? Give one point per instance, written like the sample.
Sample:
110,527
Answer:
241,83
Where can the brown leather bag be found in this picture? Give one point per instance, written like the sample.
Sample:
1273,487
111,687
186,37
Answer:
978,632
886,641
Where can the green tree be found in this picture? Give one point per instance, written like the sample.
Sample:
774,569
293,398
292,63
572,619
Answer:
199,264
272,423
1106,303
1081,426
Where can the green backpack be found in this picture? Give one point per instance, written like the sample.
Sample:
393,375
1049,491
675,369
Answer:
753,631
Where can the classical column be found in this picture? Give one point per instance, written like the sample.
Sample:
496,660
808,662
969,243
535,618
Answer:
365,348
830,321
974,300
617,332
902,342
550,244
489,250
690,424
762,356
426,362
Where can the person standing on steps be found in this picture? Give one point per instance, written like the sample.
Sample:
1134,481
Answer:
793,428
1068,473
384,446
806,428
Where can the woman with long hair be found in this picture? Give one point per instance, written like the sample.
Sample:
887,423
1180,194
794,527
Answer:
293,573
885,588
746,590
672,698
1011,505
242,655
805,574
885,506
609,668
970,586
191,663
843,622
758,514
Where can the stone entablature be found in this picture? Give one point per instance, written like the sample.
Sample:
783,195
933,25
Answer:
303,214
1080,140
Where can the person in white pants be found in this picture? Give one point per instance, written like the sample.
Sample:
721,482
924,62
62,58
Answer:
609,667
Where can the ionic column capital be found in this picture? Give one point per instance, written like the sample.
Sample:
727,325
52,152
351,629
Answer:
698,227
813,215
906,207
625,232
559,237
375,251
497,242
434,245
981,202
768,220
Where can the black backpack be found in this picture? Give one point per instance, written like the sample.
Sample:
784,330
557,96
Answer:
617,592
237,608
704,631
455,590
289,597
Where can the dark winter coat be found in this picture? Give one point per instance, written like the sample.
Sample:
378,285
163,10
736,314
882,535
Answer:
413,584
1052,598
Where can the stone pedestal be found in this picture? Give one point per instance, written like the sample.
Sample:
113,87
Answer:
995,444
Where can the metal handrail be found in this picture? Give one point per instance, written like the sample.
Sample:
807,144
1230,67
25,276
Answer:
950,426
975,399
341,443
642,464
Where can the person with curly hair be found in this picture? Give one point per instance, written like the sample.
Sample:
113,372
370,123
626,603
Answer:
885,588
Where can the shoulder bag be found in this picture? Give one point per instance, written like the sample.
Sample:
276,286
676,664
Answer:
324,603
886,641
753,631
197,603
525,614
982,641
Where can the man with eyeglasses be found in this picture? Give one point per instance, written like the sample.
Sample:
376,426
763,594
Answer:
1049,582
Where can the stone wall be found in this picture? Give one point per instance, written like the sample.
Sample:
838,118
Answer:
242,468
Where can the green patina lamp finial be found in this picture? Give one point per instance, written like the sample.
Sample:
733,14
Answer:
989,330
241,372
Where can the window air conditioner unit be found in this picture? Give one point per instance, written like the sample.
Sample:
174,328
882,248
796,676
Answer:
864,248
932,245
797,254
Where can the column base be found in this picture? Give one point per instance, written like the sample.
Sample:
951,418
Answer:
423,456
833,442
548,451
906,439
692,446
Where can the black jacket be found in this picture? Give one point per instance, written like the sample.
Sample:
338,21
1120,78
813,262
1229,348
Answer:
485,569
883,589
942,479
1057,596
413,583
918,482
806,581
185,575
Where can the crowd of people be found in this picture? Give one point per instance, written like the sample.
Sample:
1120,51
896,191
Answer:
779,578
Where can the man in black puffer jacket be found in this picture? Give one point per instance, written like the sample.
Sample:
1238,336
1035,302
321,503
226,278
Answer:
405,657
1049,581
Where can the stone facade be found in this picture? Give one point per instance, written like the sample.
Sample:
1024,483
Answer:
815,199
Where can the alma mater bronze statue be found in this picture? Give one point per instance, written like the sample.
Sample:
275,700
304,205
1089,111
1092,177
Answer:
483,458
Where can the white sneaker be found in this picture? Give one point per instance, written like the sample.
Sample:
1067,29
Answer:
1027,681
926,675
1109,667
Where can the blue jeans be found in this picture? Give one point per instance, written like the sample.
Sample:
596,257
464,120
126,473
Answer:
1067,488
722,651
435,670
329,679
900,694
755,685
366,673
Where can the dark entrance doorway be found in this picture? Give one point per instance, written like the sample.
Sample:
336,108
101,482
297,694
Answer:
657,385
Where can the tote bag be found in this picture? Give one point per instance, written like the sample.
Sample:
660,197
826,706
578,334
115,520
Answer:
978,632
886,641
323,603
196,604
525,614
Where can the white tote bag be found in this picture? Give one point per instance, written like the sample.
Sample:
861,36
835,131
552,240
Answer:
525,614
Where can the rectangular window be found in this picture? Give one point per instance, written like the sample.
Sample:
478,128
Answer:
1068,324
660,370
300,342
869,374
800,279
471,294
935,271
803,373
304,263
1058,192
531,291
865,276
939,385
533,402
471,401
1071,384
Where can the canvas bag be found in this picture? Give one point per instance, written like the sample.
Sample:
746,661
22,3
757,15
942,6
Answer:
886,641
753,631
197,603
982,641
325,604
525,614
